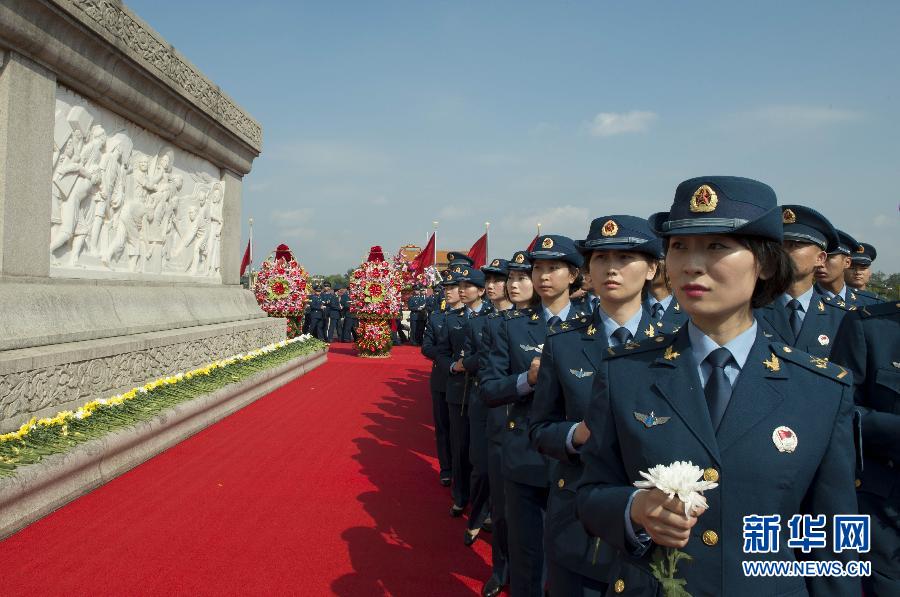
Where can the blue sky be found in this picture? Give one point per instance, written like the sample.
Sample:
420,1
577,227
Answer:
380,117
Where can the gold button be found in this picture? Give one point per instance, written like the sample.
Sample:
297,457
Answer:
857,482
561,483
619,587
711,475
786,349
512,424
710,538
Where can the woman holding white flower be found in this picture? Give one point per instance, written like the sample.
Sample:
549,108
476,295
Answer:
769,424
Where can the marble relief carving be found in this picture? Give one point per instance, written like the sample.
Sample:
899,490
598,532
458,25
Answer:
122,200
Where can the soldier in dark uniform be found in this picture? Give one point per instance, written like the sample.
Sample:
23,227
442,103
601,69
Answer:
621,253
830,276
418,314
316,314
858,274
332,306
724,396
438,379
479,486
802,317
520,291
868,344
460,385
350,319
509,378
661,303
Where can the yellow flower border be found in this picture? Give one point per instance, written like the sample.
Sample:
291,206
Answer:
63,418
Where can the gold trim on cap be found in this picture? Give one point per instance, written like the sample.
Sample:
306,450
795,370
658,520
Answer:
704,200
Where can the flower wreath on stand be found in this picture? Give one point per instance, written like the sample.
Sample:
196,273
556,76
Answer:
282,288
375,299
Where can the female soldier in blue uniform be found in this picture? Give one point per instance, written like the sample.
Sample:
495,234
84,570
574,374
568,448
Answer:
771,424
868,344
621,254
480,489
450,352
438,379
509,378
520,291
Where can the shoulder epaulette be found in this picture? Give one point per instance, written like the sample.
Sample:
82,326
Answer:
514,313
569,325
648,344
837,302
879,309
494,314
818,365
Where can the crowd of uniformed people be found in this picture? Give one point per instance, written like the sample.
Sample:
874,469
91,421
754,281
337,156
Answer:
729,331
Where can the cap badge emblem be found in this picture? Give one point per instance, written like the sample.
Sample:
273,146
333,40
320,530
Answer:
547,243
860,249
704,200
784,439
519,258
465,272
495,263
788,217
610,228
458,269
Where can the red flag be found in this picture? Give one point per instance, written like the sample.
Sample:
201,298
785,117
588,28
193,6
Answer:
246,260
478,252
425,258
533,242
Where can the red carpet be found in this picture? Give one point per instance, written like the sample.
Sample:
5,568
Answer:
326,486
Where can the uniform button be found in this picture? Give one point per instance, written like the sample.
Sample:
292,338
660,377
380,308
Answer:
619,586
711,475
561,483
512,424
857,482
710,538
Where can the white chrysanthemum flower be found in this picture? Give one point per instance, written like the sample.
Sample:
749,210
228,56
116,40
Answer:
102,401
683,479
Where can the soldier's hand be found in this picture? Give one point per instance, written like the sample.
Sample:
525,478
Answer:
581,435
458,366
533,371
663,518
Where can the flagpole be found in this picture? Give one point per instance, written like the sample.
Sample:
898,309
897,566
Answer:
487,240
250,265
435,225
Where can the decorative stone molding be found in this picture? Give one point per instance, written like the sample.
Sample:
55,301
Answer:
47,389
137,36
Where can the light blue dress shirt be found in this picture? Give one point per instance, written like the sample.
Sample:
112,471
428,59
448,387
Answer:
804,300
701,345
522,385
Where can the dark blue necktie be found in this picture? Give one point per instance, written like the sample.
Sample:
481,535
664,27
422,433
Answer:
553,321
621,336
795,319
594,302
718,388
656,312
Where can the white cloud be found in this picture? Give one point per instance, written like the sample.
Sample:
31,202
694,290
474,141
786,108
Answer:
883,221
295,224
801,116
568,220
607,124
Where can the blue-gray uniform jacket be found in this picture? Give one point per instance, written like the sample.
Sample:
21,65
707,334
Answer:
820,323
417,310
868,344
518,340
496,417
864,297
648,408
345,304
572,355
429,349
315,306
332,304
451,346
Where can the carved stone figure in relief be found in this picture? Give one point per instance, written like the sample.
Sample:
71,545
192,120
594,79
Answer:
75,182
156,219
196,240
216,216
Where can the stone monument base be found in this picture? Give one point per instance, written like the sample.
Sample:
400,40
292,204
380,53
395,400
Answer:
66,342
